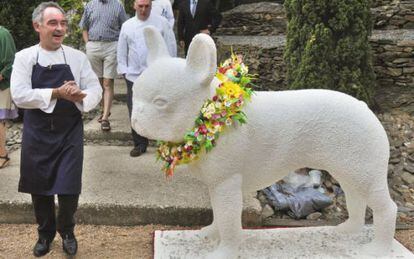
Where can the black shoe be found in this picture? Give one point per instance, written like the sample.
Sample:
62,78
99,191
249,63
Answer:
41,247
69,244
138,150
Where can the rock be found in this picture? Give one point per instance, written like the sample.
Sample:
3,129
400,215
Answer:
409,168
314,216
328,184
410,158
267,211
404,209
409,205
410,147
395,160
408,178
262,197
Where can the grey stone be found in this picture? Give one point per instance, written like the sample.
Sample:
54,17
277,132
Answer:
409,168
408,178
267,211
314,216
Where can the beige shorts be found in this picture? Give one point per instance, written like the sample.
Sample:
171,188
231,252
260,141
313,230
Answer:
102,55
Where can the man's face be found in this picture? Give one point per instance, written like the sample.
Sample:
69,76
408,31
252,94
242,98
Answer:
51,29
142,8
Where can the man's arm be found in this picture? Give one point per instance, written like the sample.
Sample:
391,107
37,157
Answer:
122,52
181,25
170,14
122,17
84,24
85,36
215,17
7,52
91,90
169,38
24,96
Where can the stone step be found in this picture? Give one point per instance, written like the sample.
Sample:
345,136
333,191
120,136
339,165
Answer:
119,119
120,90
120,126
120,190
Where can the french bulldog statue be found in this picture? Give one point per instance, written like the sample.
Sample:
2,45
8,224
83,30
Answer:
286,130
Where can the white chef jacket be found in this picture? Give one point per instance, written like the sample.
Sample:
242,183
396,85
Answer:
164,8
132,50
21,85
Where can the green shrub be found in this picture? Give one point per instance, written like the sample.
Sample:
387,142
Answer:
129,7
327,46
74,10
16,16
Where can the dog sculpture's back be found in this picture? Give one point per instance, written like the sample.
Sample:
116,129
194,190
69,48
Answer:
286,130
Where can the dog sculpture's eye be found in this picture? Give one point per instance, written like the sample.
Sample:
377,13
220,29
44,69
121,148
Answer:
160,102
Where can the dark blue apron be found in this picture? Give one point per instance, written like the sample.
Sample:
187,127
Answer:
52,144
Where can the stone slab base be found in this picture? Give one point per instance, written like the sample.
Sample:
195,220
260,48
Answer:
309,242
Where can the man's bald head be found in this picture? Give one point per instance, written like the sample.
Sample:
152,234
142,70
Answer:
143,9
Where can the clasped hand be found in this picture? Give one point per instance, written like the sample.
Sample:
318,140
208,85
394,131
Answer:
70,91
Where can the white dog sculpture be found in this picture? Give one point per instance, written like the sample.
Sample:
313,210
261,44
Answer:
285,131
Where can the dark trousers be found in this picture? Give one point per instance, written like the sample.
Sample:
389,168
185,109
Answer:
138,139
44,208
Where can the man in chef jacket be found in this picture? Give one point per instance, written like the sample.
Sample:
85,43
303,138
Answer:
54,83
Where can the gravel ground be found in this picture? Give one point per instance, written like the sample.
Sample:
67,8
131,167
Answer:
16,241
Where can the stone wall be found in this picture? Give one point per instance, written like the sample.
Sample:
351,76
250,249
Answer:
261,27
263,55
395,15
393,57
254,19
269,18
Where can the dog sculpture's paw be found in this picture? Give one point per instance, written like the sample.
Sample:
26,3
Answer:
349,227
224,252
210,232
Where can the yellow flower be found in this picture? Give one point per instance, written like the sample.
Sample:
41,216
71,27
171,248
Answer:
232,89
222,77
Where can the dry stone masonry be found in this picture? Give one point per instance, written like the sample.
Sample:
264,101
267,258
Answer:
394,15
261,27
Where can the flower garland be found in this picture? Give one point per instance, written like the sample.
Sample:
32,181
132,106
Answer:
223,110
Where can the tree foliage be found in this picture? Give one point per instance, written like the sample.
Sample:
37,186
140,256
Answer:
74,10
327,46
16,16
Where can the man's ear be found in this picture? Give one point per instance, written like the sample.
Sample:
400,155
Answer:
155,44
202,58
36,26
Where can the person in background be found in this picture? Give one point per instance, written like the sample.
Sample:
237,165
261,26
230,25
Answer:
54,83
132,55
101,23
196,16
7,108
164,8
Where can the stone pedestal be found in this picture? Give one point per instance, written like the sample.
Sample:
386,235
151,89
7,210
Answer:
310,242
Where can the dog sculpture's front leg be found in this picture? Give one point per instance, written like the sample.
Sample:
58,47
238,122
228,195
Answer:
227,205
211,231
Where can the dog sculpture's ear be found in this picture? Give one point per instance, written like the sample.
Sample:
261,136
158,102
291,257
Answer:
202,58
155,44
